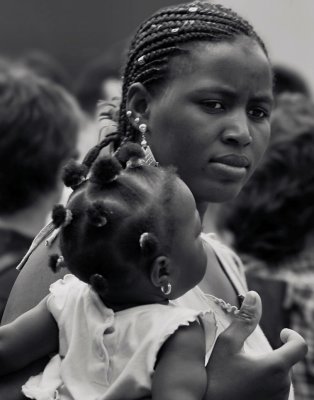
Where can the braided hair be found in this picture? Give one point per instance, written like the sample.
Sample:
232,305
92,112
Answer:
117,219
158,40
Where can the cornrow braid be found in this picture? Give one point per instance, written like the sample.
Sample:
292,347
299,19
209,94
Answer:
159,38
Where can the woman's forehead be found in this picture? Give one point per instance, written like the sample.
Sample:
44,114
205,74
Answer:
191,52
222,61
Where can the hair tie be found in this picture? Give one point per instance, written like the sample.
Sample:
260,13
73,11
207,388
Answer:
135,162
144,236
61,216
97,213
148,243
132,155
56,262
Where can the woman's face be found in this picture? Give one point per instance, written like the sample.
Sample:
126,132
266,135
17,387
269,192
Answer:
212,119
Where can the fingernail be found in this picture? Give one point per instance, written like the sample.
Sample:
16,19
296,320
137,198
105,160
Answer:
250,299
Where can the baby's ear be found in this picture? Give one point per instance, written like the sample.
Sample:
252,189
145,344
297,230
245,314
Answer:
160,271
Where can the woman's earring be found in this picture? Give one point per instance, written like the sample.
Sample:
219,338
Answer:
143,128
166,289
129,113
149,157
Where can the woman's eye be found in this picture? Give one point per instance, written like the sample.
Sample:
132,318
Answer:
258,113
213,105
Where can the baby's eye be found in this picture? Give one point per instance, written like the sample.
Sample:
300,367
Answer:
258,113
213,105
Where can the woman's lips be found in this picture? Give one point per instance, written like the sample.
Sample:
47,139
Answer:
229,167
233,160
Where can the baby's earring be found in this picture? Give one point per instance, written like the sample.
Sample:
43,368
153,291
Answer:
149,157
166,288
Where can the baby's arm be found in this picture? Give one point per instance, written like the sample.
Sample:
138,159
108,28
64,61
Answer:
28,338
180,370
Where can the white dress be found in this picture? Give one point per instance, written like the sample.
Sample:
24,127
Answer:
105,355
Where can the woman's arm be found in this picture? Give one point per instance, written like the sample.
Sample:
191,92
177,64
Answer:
28,338
180,371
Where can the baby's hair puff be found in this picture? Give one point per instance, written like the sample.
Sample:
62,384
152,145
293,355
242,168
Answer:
105,170
74,174
117,221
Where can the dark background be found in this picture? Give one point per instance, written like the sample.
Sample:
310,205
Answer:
77,31
73,31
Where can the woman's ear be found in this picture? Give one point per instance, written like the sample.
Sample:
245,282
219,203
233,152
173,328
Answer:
160,271
138,101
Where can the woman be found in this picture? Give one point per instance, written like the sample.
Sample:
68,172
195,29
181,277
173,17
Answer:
197,93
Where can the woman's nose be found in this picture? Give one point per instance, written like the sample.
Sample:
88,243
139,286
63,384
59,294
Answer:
237,130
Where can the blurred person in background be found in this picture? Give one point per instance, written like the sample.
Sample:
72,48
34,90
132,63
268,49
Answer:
100,80
289,80
272,226
39,125
293,113
47,66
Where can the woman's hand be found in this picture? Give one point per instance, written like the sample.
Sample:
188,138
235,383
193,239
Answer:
233,374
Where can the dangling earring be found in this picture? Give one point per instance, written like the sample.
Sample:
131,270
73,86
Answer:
149,157
166,289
